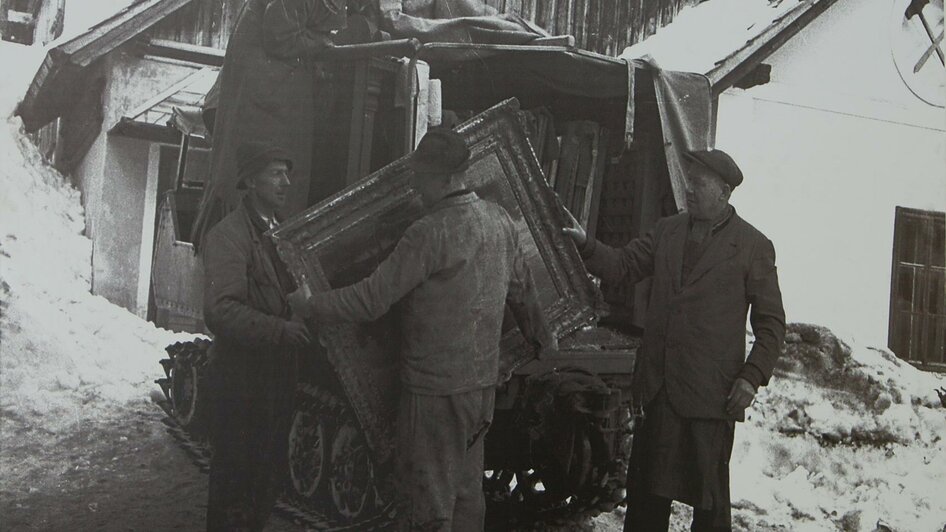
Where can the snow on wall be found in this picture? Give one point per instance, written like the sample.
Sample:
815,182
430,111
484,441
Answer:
64,352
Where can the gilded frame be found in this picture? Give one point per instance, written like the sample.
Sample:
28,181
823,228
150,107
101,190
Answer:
343,238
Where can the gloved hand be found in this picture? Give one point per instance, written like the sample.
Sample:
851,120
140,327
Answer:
740,397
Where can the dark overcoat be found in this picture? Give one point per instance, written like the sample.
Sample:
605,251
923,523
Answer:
694,340
252,370
244,305
267,93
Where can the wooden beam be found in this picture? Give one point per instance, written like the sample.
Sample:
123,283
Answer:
202,55
154,133
760,75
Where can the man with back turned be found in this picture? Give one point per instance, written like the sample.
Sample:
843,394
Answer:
454,271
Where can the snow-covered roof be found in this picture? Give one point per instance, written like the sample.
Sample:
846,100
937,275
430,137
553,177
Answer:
55,81
726,38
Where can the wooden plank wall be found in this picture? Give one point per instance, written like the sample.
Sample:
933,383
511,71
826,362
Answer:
203,22
603,26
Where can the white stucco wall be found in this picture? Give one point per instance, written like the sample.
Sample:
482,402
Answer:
113,177
829,148
117,237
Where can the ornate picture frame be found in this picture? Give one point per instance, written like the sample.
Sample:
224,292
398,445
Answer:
343,239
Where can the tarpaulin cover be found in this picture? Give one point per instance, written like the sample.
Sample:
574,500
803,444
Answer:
460,21
686,116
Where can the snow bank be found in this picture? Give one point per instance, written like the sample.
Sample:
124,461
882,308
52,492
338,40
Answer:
842,439
64,352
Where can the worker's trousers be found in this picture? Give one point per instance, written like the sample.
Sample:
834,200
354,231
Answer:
440,460
249,435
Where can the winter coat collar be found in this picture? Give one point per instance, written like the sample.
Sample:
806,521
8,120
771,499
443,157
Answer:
724,246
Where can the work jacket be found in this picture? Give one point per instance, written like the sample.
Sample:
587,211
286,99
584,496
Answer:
694,340
454,269
245,305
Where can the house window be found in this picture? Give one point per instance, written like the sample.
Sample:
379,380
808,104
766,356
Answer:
918,288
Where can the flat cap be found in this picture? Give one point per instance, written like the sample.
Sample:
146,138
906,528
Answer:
253,156
441,151
719,162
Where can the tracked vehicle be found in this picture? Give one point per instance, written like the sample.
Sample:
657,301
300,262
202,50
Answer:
594,142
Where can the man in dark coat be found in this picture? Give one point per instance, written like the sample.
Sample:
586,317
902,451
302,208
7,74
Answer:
454,270
691,377
267,92
252,360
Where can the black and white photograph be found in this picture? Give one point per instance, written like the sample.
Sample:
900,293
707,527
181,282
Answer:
473,265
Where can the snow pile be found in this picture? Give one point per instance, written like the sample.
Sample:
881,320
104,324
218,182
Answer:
64,352
842,439
706,33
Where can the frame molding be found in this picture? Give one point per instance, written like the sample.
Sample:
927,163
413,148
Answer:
383,205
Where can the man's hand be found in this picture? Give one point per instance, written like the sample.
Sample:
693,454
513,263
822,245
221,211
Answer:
299,302
296,334
575,231
740,397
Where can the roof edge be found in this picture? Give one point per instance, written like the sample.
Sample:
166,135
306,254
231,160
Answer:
64,63
733,67
118,29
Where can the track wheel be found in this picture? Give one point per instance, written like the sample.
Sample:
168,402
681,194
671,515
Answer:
307,449
497,484
185,392
531,491
352,482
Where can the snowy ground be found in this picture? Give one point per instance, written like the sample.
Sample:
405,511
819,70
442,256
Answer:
843,438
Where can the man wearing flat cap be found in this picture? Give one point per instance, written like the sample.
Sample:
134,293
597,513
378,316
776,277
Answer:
692,378
454,270
252,360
